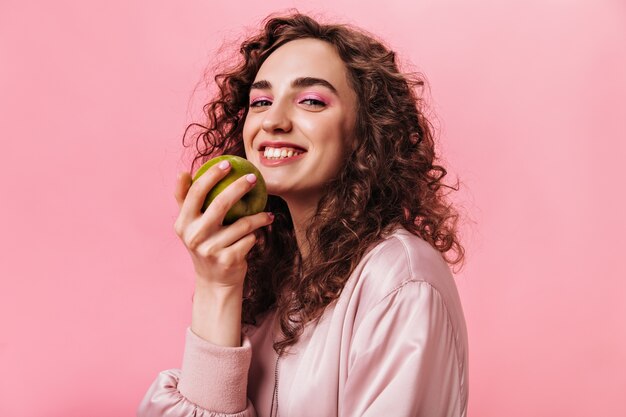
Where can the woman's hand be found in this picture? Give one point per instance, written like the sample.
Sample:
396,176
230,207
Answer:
218,252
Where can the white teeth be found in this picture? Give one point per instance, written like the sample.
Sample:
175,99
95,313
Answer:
280,153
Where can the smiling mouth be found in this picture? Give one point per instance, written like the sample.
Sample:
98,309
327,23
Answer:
281,153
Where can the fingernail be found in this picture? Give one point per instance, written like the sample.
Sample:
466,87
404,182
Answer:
251,178
224,165
270,215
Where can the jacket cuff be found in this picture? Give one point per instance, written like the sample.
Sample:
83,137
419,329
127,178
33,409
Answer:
215,377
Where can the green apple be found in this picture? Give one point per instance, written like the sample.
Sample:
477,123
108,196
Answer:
251,203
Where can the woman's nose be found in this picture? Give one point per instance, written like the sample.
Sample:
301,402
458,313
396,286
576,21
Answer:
277,119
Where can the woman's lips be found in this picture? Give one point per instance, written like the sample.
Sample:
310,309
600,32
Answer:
272,162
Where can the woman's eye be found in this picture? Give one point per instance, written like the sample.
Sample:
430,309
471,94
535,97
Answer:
313,102
261,102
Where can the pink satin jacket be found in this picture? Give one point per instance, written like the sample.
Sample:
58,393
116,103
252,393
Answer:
393,344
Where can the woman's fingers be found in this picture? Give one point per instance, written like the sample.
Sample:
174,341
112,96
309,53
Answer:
197,192
237,251
242,227
228,197
218,252
244,245
183,182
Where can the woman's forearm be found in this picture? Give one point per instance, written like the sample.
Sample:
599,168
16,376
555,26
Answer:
216,314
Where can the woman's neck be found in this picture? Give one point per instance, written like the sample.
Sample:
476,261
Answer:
301,215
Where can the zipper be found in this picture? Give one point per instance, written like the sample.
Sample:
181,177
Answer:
298,266
275,392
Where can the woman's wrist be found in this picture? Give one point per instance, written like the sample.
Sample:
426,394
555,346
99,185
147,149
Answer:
216,314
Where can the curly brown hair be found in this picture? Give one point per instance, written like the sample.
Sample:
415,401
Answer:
389,179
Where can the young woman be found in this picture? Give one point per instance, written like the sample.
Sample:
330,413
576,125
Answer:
339,300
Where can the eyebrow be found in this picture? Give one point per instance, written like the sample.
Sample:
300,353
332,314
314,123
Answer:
297,83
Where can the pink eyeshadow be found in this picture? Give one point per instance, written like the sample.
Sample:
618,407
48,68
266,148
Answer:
315,96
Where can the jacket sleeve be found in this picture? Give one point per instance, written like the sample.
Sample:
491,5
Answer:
212,383
404,359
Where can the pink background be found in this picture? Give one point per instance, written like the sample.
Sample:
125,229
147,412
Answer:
94,97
